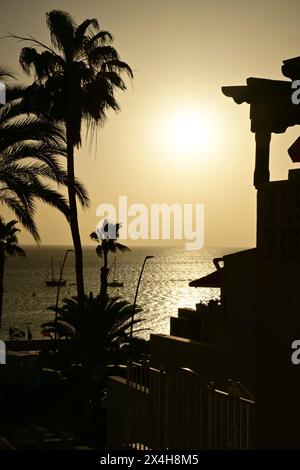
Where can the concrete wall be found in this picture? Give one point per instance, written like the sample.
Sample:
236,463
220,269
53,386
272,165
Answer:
209,329
238,287
226,334
185,327
117,409
213,363
277,323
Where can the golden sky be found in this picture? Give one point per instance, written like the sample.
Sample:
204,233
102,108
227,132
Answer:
181,52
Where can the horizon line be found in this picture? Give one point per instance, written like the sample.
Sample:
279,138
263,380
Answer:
33,245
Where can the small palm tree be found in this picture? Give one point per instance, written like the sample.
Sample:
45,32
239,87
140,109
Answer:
109,324
8,247
106,237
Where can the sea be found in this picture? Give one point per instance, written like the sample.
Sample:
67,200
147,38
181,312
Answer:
164,285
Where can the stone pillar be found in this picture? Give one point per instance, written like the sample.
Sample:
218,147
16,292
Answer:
277,314
262,156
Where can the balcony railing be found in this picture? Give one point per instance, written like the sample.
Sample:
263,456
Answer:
179,410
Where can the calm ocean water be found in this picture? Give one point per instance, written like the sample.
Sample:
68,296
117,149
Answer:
163,289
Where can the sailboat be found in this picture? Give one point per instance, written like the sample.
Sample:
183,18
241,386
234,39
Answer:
54,282
115,282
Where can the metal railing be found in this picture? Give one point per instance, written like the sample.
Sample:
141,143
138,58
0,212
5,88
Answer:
230,417
179,410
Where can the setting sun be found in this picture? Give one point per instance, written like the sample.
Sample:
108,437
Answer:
187,132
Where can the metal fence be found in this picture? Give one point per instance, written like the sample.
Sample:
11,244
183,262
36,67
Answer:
179,410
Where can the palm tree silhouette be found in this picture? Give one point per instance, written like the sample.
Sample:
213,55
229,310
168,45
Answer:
109,320
106,237
29,150
8,246
75,80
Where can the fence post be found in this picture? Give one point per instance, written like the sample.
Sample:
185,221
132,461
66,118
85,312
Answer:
210,417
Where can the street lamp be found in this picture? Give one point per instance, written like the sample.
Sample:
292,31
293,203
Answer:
136,294
58,291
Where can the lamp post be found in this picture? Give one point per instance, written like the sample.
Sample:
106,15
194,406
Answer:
136,294
58,291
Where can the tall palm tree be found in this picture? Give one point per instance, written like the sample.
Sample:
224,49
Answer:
106,237
75,80
29,167
8,246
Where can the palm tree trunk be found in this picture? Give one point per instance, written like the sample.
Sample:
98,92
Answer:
75,229
1,282
103,278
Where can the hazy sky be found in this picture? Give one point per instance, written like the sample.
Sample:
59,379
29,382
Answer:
181,52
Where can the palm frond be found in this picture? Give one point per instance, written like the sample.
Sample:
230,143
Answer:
63,330
115,65
8,238
103,37
5,73
110,321
102,54
82,29
12,249
122,248
22,214
62,29
28,59
81,193
94,236
99,251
